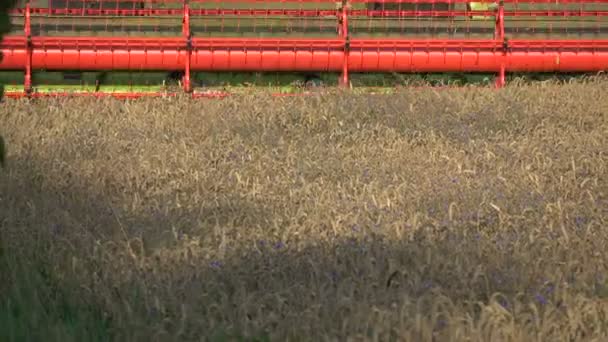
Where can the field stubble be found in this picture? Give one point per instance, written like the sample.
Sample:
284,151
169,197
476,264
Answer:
456,215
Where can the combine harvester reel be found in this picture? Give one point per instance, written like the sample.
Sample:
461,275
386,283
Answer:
185,38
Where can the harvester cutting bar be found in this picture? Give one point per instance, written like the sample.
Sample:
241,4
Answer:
326,55
309,36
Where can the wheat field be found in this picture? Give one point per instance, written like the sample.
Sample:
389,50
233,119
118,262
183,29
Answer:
427,215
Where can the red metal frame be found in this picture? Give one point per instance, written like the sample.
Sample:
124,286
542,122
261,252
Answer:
188,43
124,96
344,53
28,51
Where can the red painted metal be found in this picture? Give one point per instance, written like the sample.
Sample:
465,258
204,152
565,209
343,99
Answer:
131,95
499,34
188,43
322,55
348,51
343,31
28,50
443,1
301,13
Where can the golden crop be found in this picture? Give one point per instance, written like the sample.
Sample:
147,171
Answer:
457,215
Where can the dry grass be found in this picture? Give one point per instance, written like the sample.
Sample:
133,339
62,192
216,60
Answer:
464,215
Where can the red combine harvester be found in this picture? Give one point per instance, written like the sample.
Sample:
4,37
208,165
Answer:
307,36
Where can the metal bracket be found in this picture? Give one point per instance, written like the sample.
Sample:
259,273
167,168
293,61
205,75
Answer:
189,46
505,45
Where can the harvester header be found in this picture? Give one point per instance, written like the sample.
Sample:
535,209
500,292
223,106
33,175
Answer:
306,36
